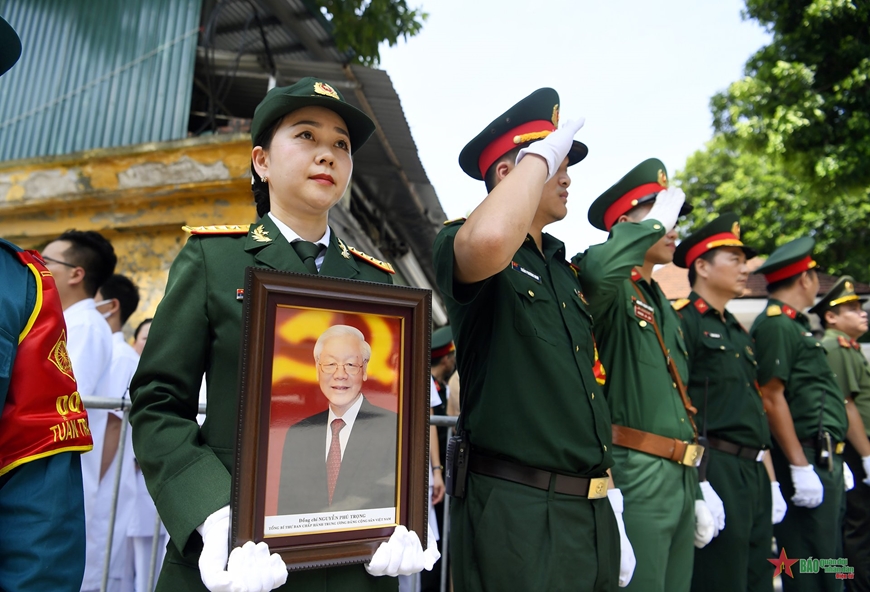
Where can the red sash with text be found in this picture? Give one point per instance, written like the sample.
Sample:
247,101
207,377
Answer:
43,414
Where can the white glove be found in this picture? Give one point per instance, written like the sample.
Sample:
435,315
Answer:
667,206
779,505
403,555
865,460
251,567
717,508
848,477
808,489
627,561
555,147
703,524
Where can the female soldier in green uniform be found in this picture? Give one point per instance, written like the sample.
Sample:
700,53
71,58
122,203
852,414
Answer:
302,136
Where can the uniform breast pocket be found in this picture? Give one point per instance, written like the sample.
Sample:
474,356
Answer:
715,345
534,312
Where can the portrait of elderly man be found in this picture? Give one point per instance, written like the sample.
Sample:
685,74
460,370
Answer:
343,458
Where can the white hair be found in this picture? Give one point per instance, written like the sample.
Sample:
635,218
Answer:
340,331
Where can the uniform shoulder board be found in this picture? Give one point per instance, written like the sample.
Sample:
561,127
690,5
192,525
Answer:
773,310
843,342
454,221
382,265
680,304
219,229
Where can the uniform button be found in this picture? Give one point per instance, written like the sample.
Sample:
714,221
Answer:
605,448
818,344
721,347
656,226
682,420
592,395
576,348
675,384
642,323
532,294
736,355
563,305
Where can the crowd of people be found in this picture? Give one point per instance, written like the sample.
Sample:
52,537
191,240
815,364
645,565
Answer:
607,439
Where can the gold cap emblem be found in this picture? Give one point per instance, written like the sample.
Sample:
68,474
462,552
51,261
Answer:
663,178
322,88
555,117
735,229
848,287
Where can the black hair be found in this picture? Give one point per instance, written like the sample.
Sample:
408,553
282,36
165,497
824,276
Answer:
708,257
785,283
490,178
139,327
125,291
258,187
92,252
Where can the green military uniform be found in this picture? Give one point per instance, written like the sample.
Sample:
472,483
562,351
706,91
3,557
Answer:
197,330
530,398
659,494
852,372
786,349
722,385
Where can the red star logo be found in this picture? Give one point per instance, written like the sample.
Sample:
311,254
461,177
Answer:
783,564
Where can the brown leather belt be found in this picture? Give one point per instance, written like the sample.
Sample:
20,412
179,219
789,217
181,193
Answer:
500,468
683,453
737,450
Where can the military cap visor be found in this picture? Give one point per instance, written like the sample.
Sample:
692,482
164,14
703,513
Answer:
10,46
442,342
724,231
789,260
840,293
639,186
531,119
311,92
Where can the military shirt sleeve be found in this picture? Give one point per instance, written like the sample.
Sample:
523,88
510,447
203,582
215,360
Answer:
775,351
846,372
185,478
604,267
442,253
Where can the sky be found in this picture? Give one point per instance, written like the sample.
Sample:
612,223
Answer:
641,72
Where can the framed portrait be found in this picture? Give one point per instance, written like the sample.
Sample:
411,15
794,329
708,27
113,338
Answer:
332,445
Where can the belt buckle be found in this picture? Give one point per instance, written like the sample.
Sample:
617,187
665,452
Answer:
693,454
841,446
760,456
597,488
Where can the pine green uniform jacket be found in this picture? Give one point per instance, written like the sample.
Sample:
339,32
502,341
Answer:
851,370
197,330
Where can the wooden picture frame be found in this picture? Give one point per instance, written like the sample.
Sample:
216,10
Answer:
281,490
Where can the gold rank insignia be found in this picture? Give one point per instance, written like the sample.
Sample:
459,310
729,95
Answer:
322,88
60,357
219,229
680,304
344,251
663,178
259,234
449,222
773,310
383,265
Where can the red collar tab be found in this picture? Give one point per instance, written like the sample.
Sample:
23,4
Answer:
848,343
723,239
635,275
701,305
531,130
628,201
789,311
790,270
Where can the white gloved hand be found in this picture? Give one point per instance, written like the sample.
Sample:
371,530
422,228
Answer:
627,560
717,508
848,477
667,206
865,460
779,505
808,489
251,567
703,524
555,147
403,555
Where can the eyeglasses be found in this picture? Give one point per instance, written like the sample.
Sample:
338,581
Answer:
44,258
351,369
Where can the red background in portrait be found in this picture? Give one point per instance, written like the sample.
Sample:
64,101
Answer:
295,389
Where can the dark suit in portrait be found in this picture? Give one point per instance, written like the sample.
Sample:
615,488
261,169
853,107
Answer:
367,478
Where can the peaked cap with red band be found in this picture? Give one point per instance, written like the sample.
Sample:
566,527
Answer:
442,342
640,185
789,260
840,293
724,231
533,118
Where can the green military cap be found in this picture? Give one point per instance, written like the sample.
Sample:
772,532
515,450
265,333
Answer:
724,231
640,185
442,342
841,292
311,92
533,118
788,260
10,46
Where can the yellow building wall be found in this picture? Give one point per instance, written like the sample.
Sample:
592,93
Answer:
138,197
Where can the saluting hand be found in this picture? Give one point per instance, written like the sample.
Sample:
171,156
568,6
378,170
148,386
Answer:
555,147
667,206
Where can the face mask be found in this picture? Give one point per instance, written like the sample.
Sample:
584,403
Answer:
106,315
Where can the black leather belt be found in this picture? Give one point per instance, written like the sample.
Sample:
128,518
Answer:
500,468
838,447
737,450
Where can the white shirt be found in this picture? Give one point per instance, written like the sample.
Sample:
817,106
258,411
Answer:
291,236
344,435
89,343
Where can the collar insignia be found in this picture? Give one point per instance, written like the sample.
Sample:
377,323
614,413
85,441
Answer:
344,252
259,234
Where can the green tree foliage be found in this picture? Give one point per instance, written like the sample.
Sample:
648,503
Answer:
362,25
806,96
